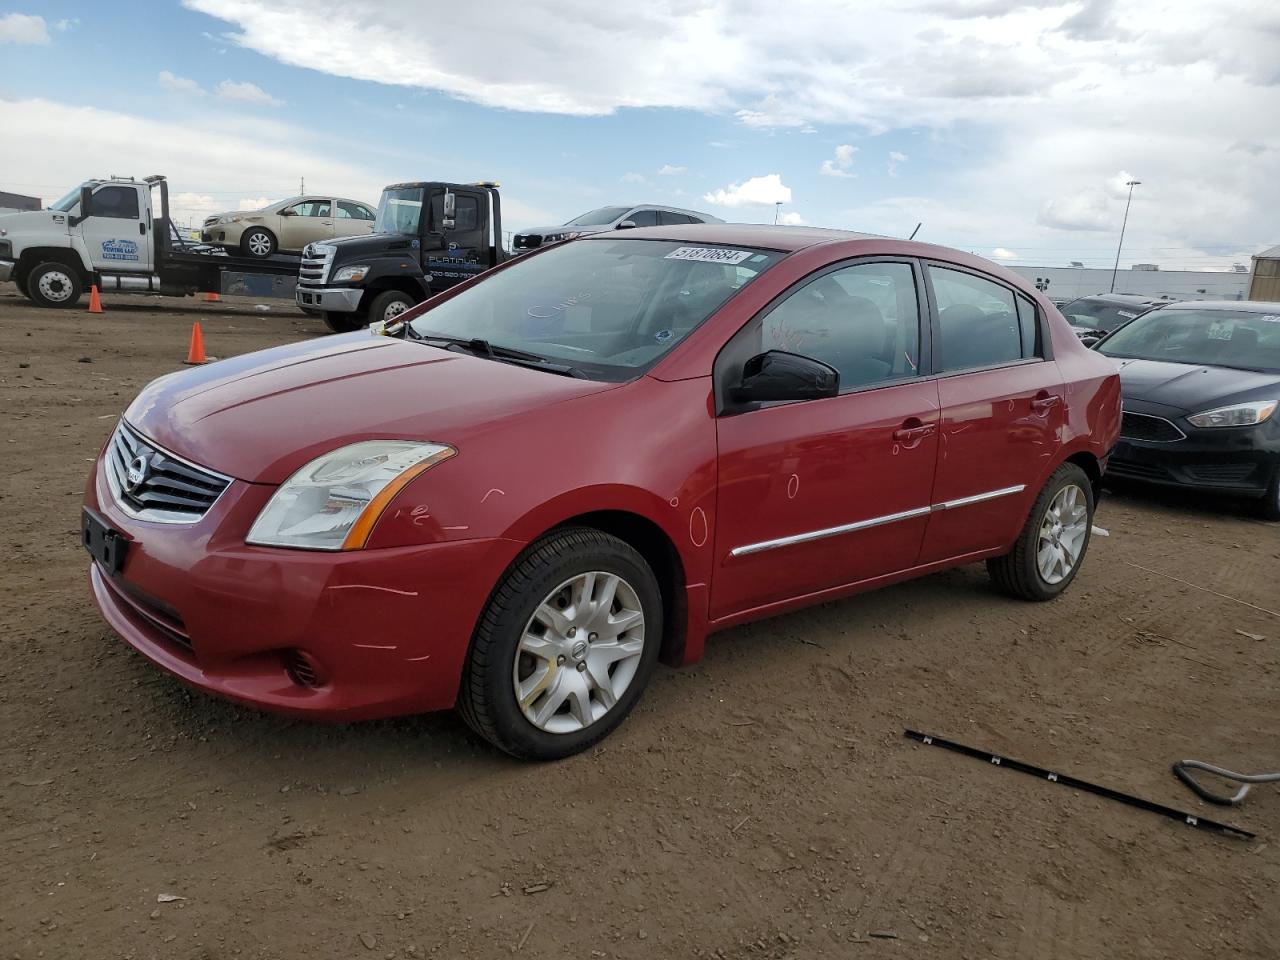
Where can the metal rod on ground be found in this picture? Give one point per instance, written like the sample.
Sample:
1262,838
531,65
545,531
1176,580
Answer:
1190,819
1248,779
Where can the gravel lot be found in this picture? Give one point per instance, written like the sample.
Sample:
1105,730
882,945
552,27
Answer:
761,804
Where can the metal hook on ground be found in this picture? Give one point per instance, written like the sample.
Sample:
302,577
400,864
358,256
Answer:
1182,766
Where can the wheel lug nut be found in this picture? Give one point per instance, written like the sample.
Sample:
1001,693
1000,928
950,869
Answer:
582,665
560,660
592,637
573,631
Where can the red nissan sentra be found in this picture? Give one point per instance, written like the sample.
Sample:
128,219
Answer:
581,463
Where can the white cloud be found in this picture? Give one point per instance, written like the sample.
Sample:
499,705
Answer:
23,28
246,92
255,203
895,160
670,170
176,84
839,167
1000,253
791,219
757,192
66,23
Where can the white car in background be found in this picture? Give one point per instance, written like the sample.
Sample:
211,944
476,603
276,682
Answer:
608,218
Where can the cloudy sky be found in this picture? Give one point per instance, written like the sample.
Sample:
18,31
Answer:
1006,127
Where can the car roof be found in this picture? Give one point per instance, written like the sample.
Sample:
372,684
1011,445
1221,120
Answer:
1239,306
710,218
785,239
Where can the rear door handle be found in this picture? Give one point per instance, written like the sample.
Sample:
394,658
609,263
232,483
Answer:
1044,403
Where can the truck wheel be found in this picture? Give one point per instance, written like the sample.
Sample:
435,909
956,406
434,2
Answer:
343,322
20,281
54,285
388,305
258,243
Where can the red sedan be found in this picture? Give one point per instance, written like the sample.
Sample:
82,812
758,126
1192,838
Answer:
557,474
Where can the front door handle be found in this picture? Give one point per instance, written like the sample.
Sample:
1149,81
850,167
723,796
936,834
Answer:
1045,402
142,229
913,431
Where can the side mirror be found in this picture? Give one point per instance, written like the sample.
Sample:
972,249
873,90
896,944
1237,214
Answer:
448,221
625,225
86,201
289,212
777,375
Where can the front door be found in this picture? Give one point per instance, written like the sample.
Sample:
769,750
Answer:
821,493
116,231
455,254
1002,410
311,221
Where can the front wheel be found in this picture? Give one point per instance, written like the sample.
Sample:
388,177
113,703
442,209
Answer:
343,322
1271,502
388,305
54,285
1051,547
565,646
258,243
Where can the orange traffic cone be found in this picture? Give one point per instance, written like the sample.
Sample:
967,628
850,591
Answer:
95,301
212,297
195,353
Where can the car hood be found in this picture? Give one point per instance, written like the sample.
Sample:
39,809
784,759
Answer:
261,416
1190,387
13,225
372,245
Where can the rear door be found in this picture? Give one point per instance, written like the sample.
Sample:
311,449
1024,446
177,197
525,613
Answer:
821,493
117,229
352,219
1002,403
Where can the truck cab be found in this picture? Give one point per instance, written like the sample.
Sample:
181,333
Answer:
428,236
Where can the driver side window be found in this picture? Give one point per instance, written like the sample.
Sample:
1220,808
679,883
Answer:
864,320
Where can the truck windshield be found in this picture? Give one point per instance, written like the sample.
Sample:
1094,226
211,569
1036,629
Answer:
598,218
72,199
399,211
610,308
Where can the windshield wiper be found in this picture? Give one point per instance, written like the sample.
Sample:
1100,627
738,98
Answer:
483,348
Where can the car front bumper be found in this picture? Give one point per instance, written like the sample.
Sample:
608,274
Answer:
6,270
386,630
329,299
1239,461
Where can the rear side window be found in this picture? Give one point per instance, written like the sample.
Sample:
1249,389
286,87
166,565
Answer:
864,320
978,322
120,203
671,219
352,211
1029,326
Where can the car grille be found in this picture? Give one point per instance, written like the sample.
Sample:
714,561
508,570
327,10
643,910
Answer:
1220,472
316,260
1141,426
1136,471
150,613
527,241
168,489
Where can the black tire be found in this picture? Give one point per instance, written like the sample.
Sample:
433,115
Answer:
1017,573
20,281
54,285
1270,506
389,304
312,312
259,237
486,698
343,322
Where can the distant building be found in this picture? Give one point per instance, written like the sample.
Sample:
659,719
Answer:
1264,282
1146,266
1067,283
9,202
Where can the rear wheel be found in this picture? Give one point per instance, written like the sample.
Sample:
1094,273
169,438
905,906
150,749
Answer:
565,646
1051,547
258,242
343,322
54,285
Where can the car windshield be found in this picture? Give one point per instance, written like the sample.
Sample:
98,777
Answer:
609,308
1220,338
399,211
598,218
71,200
1100,315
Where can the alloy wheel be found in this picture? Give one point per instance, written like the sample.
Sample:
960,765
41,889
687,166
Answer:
579,652
259,244
1062,534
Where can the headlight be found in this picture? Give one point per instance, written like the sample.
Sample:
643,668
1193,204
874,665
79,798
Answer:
1237,415
333,502
351,274
229,218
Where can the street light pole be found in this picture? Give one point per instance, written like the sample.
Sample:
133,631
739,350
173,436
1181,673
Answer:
777,207
1130,184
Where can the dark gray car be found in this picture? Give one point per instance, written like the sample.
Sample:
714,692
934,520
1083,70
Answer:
608,218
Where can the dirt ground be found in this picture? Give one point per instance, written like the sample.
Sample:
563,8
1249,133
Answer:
762,804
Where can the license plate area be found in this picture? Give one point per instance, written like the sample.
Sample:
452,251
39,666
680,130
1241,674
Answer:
107,546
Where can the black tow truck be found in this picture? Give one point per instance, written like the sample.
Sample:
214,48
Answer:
428,237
